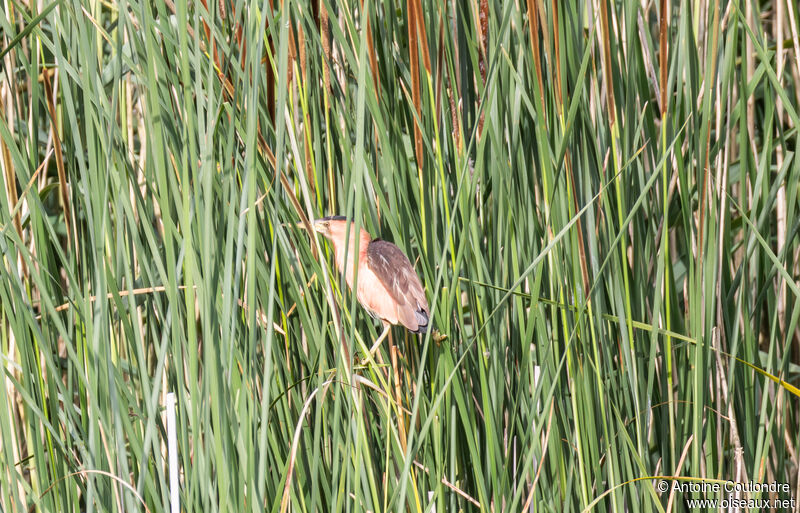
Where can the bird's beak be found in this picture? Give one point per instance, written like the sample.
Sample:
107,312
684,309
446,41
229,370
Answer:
320,225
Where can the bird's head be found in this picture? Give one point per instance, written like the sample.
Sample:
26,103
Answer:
332,227
335,229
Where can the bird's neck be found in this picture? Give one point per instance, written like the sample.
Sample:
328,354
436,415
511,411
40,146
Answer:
364,240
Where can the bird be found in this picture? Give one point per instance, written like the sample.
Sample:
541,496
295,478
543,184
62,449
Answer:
388,287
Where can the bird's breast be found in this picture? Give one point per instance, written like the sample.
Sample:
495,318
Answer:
374,297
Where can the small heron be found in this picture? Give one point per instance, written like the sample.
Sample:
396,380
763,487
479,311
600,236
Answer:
388,288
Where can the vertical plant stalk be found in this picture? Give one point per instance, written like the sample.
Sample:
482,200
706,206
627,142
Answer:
398,394
416,33
207,30
608,79
610,102
13,403
270,69
172,444
780,199
483,52
455,132
62,175
439,73
567,157
614,129
572,208
711,71
303,92
373,64
8,165
453,90
413,53
422,37
292,51
533,26
401,421
612,120
557,61
790,16
301,43
325,36
241,42
373,58
663,77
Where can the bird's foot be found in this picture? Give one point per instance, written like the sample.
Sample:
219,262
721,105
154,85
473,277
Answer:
438,336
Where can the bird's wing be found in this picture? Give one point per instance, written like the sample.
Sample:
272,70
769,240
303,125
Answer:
397,275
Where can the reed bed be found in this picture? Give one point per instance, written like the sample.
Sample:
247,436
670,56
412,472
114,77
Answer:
600,199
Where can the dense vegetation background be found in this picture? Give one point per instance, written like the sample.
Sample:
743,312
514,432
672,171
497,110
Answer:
601,201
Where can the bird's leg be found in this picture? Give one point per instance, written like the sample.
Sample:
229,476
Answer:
378,341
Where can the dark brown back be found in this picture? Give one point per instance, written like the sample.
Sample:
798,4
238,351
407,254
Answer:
395,272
